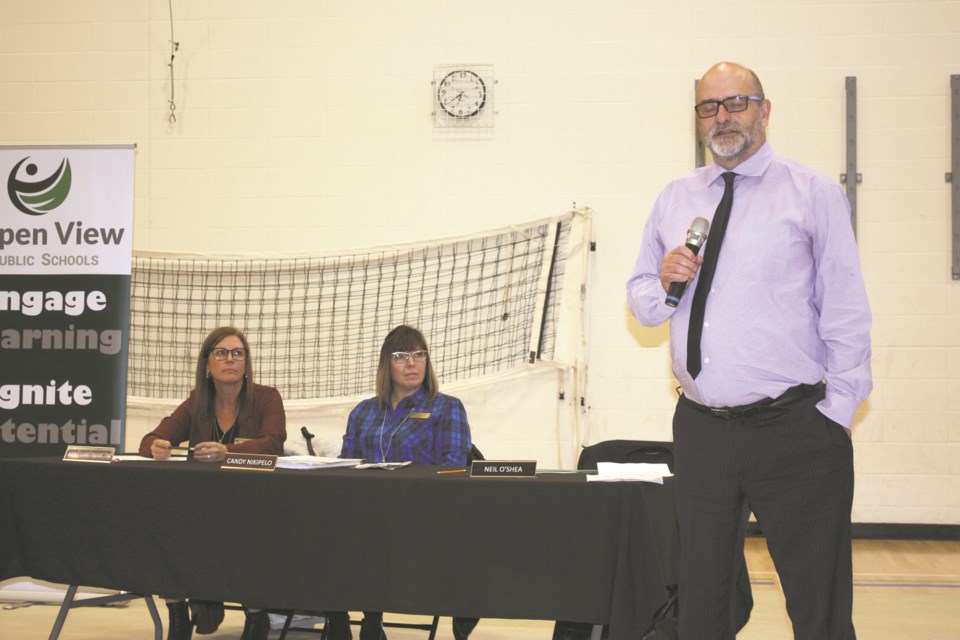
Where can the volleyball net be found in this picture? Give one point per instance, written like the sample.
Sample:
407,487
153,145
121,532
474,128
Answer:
492,303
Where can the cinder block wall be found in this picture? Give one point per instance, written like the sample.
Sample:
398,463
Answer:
306,124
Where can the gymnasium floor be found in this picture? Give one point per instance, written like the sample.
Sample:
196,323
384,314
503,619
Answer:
903,589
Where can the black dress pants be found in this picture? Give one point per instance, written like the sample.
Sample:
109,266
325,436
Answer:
793,468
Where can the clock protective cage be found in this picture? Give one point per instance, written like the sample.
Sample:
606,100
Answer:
467,79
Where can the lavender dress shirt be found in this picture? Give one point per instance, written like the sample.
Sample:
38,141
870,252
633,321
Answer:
788,304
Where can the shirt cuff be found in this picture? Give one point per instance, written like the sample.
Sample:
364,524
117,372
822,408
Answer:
839,407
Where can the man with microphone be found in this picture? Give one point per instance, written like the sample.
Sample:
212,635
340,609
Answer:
770,341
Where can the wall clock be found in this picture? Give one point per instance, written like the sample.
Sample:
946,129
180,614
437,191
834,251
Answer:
463,95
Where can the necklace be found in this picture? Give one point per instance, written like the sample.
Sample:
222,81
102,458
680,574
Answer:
217,429
383,454
223,434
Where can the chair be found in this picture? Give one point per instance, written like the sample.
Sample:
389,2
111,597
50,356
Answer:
474,454
70,602
626,451
431,626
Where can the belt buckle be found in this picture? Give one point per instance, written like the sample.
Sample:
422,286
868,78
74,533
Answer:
722,412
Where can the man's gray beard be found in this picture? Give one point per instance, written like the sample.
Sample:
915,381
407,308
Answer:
748,138
730,148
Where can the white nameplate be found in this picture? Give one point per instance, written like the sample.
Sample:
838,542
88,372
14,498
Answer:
250,461
79,453
503,469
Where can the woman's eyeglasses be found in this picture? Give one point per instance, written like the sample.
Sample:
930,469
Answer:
236,354
403,356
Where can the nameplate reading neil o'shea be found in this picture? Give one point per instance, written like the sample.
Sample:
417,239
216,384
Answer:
80,453
249,461
503,469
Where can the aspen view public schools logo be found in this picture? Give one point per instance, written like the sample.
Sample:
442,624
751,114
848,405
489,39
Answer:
41,196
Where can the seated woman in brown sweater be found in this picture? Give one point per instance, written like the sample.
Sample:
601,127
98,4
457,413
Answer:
226,412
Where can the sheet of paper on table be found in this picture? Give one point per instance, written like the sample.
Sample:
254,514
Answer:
315,462
630,472
136,457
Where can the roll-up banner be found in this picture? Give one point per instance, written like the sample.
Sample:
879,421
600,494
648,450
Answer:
65,253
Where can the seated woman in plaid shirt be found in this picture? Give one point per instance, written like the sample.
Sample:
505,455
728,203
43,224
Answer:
408,420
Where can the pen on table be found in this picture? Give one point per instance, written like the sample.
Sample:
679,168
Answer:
179,451
453,471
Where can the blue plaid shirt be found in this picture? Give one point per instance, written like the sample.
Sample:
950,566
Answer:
418,430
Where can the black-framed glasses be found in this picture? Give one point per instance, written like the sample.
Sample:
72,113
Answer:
403,356
733,104
236,354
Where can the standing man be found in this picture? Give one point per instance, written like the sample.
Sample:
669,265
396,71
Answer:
771,345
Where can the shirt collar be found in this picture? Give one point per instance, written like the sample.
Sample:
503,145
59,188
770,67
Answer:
417,397
755,165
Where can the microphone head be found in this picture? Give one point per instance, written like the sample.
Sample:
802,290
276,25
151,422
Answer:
698,231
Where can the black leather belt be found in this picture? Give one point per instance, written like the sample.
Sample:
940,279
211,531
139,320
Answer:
788,397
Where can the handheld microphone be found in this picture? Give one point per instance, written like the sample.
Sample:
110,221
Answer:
695,238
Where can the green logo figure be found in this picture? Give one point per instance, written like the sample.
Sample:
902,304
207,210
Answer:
43,196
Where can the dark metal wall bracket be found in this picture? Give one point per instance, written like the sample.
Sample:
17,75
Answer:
954,176
845,178
699,151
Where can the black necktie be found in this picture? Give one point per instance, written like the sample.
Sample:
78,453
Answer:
717,229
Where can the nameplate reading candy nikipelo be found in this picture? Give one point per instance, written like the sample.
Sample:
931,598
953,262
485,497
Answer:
503,469
249,461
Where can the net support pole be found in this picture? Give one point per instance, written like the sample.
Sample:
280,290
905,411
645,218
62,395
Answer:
543,296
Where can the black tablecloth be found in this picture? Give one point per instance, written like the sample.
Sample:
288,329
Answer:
407,541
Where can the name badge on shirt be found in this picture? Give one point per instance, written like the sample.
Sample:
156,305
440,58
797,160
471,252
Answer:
419,416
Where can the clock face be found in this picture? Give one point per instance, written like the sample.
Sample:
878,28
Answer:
462,93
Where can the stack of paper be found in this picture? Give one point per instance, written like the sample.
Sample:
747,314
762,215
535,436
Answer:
389,466
630,471
315,462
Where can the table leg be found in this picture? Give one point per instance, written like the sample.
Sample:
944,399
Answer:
157,623
64,609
